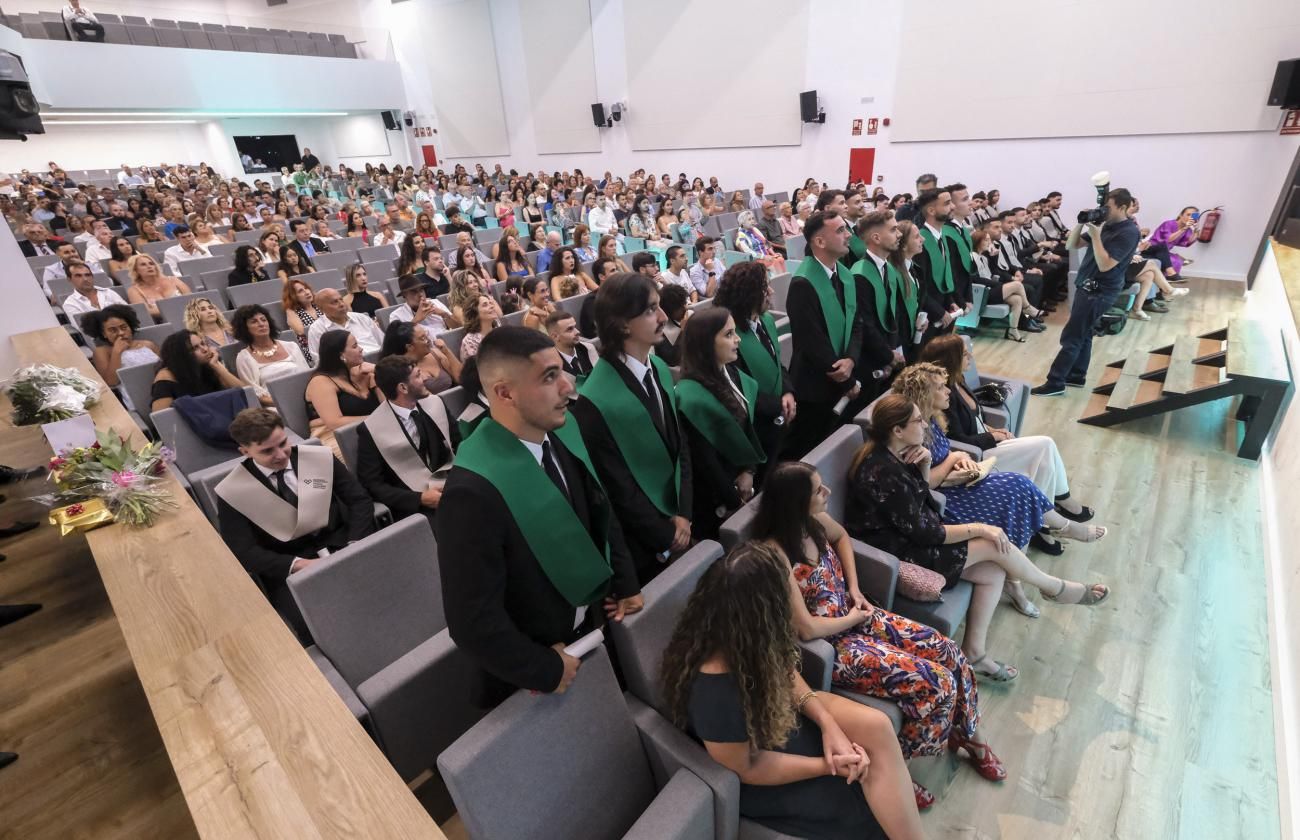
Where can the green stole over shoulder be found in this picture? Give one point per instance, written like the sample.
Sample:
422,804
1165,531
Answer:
764,369
574,563
739,446
892,282
940,268
957,235
857,248
839,321
658,474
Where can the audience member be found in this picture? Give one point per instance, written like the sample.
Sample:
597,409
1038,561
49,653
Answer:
263,356
82,25
810,763
339,317
577,355
359,297
405,446
544,256
751,241
300,312
283,505
480,319
190,368
342,390
677,273
537,299
877,653
823,307
707,270
149,284
112,329
438,366
86,296
511,597
206,321
629,421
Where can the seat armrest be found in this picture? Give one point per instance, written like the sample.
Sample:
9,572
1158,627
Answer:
682,810
939,499
669,750
818,660
973,451
877,573
420,703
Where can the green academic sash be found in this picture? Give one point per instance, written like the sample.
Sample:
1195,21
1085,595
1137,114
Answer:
940,268
470,419
839,321
658,474
739,446
957,236
882,287
578,568
857,248
765,370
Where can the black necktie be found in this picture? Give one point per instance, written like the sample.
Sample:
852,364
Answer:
765,339
553,471
282,488
657,413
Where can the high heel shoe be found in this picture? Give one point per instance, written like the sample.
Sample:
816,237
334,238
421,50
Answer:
1013,334
988,765
1089,596
924,799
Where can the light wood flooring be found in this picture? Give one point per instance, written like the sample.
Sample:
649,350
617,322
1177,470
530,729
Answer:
1150,716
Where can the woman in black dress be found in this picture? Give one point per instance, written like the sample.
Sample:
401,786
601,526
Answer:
730,676
190,368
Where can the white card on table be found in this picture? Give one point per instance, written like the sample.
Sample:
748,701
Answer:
71,433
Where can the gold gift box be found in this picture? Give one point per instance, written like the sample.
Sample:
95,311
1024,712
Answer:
82,516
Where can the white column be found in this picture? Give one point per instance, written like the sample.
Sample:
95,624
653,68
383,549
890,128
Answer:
25,307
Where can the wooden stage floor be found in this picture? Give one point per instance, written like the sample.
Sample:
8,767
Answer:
1149,716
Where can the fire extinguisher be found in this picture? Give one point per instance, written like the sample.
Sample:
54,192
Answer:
1209,221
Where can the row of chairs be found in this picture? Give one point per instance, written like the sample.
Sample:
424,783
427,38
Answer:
186,34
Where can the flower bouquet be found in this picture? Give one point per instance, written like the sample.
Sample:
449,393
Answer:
109,481
47,394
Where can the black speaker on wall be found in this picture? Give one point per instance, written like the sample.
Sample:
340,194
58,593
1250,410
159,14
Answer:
390,121
1285,92
808,106
598,114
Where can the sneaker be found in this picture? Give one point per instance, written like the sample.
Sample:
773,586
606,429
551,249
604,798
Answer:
1046,390
1075,383
1179,292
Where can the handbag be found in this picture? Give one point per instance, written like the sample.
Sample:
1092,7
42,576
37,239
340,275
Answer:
992,394
918,583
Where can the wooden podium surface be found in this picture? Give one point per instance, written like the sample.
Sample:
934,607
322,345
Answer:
260,745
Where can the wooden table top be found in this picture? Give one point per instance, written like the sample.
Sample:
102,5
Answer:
260,743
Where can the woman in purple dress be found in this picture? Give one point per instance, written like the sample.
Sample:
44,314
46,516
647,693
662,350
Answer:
1174,233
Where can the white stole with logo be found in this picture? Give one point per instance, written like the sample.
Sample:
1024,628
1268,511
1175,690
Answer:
274,515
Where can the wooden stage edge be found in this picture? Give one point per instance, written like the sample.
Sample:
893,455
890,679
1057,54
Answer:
261,745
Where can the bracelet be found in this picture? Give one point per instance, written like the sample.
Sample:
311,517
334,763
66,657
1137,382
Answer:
808,695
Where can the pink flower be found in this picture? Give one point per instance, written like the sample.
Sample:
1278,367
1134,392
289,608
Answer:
95,445
125,478
76,510
57,463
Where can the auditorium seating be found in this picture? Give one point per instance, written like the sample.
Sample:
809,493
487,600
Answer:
193,453
160,32
290,395
586,763
415,685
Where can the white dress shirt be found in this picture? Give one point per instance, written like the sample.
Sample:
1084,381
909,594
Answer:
408,422
55,271
176,254
433,323
362,328
602,221
96,252
78,304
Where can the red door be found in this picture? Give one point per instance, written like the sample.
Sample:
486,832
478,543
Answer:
862,162
430,158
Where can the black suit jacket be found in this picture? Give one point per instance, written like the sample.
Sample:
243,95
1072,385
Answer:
382,483
318,244
960,276
352,516
813,353
29,250
877,343
582,361
501,607
647,531
961,422
933,301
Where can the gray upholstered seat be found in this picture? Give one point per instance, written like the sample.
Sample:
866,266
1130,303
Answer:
290,395
193,453
578,764
411,679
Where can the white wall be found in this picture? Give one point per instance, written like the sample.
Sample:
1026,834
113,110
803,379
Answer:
472,121
561,80
105,146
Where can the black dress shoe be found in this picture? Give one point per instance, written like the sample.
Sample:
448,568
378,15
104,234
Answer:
17,528
7,758
9,613
9,475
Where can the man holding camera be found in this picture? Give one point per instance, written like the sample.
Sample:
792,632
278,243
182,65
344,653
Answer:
1111,240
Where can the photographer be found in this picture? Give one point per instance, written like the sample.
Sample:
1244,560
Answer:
1111,246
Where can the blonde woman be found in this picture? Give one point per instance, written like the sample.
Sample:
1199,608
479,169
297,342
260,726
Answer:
203,234
466,288
360,298
206,321
149,284
609,248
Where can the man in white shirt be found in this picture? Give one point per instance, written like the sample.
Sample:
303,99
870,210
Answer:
59,271
420,308
187,248
756,200
97,249
89,235
87,297
339,317
387,234
128,179
81,23
707,272
601,219
676,273
465,239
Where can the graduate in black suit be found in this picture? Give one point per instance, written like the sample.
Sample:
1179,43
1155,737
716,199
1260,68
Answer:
886,322
576,354
283,504
627,410
404,442
532,557
827,332
932,265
